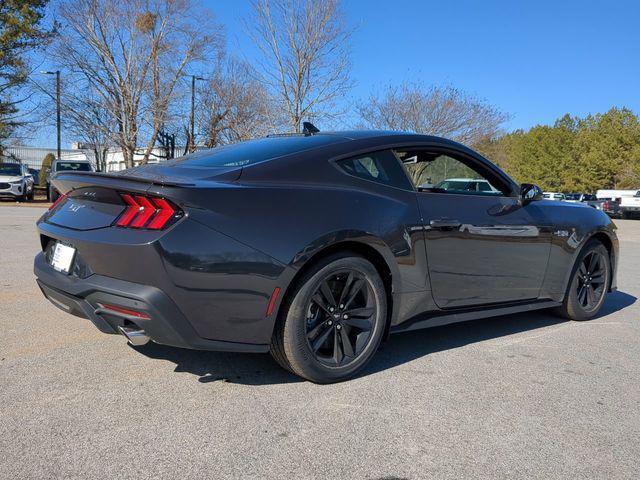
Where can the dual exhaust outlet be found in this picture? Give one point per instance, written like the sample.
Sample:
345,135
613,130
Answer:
136,336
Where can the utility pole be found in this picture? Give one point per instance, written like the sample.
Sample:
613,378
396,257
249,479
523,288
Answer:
58,109
58,123
192,123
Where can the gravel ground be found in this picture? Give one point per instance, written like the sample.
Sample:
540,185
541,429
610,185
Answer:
523,396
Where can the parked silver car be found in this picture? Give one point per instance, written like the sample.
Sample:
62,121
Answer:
16,182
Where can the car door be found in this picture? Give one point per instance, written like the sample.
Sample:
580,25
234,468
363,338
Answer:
483,247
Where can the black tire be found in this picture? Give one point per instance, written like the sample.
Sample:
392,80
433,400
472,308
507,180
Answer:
589,284
326,347
31,195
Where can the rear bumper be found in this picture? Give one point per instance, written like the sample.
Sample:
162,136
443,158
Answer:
166,323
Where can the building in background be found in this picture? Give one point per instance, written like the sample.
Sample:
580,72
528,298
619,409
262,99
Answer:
114,159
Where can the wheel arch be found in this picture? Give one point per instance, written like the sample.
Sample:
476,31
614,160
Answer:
601,236
366,250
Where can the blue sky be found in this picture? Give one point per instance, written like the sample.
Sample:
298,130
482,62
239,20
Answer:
535,60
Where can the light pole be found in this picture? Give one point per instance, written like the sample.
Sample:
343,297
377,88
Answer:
57,74
192,125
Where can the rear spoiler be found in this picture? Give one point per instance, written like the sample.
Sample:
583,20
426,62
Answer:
87,177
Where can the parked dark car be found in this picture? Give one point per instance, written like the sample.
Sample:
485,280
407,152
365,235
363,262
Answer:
64,166
315,248
611,207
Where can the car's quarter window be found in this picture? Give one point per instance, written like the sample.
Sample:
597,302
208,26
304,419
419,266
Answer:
438,172
381,167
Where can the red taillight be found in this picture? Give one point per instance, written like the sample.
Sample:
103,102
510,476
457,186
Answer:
146,212
132,210
124,311
58,201
163,216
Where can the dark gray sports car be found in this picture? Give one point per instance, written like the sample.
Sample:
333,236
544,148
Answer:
315,247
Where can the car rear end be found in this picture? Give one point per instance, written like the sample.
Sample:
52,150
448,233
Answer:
630,206
130,254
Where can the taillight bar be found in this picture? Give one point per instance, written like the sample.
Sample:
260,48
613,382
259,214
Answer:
148,212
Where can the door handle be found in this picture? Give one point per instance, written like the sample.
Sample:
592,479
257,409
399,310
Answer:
445,223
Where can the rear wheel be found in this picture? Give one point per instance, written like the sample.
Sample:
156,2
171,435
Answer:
334,322
589,283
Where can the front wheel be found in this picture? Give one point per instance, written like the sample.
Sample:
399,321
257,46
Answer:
334,321
589,283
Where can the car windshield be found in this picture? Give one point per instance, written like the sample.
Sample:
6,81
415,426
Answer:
253,151
10,169
573,196
73,166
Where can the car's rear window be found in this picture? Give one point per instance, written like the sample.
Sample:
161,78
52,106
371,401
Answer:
253,151
73,167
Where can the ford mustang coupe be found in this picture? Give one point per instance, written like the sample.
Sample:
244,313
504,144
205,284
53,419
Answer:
316,247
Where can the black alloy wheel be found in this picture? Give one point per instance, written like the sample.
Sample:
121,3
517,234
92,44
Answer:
340,318
591,280
589,283
332,323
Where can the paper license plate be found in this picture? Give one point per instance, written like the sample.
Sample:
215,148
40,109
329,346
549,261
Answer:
62,257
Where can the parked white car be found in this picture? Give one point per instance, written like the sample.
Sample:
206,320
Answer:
462,185
16,182
630,206
554,196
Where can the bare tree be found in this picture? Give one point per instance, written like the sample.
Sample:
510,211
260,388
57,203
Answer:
443,111
305,55
90,123
234,106
131,54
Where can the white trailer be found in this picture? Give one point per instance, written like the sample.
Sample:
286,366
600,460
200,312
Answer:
615,194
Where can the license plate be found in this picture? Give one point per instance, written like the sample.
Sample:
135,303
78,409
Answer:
62,257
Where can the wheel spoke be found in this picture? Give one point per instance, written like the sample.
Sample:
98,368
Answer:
318,342
582,269
346,287
318,300
582,295
327,293
364,312
589,296
597,279
593,262
337,349
346,344
363,324
315,331
355,288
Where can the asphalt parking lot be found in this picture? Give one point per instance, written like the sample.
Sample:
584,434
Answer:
524,396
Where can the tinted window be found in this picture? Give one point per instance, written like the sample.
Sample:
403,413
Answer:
253,151
440,173
381,167
73,167
10,169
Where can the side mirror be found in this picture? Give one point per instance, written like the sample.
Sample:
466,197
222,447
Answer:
530,193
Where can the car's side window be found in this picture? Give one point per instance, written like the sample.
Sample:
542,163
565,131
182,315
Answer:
442,173
381,167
